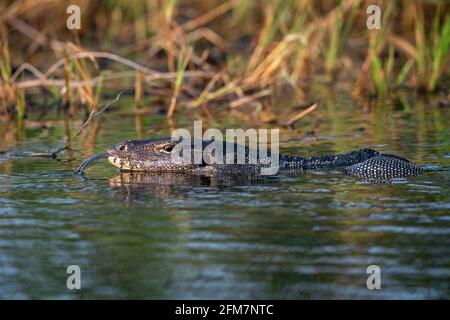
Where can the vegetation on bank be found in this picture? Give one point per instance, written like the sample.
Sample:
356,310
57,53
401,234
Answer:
197,54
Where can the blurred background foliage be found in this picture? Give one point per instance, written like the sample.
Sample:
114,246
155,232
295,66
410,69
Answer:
196,54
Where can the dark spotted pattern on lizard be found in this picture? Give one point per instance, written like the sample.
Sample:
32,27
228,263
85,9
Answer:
154,155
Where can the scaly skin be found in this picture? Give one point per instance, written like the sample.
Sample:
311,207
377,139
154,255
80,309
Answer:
154,155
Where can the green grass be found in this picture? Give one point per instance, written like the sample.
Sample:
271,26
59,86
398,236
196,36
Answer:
240,48
339,33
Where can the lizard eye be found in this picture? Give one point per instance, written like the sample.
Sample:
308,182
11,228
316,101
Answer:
168,148
122,147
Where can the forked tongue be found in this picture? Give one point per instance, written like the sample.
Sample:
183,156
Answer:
88,161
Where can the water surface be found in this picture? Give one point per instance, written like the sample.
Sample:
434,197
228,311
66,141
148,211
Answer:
308,235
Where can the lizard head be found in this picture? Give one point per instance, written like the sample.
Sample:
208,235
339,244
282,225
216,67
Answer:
146,155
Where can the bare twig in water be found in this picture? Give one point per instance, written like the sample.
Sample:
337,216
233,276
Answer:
250,98
92,115
294,119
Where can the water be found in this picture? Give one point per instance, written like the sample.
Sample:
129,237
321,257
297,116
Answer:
308,235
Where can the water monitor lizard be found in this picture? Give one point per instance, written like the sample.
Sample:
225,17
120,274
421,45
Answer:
155,155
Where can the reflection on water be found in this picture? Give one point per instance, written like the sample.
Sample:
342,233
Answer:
164,185
308,235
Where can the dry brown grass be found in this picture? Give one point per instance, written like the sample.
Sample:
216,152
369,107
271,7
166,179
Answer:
200,53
